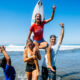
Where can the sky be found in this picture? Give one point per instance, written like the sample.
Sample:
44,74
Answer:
15,20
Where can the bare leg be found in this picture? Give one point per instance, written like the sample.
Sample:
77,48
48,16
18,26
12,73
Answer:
36,44
34,75
43,45
37,66
36,60
29,75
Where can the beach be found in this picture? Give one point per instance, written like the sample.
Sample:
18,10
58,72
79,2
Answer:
67,63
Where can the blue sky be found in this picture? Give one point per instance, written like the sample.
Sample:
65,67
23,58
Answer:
15,20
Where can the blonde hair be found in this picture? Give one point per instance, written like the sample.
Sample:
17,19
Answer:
27,42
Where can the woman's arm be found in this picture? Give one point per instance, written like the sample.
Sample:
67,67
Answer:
29,35
51,18
25,58
38,56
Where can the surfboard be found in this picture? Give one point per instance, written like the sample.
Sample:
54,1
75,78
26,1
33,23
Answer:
38,9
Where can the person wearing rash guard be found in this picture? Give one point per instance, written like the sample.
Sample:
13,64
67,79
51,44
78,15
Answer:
48,66
37,29
5,63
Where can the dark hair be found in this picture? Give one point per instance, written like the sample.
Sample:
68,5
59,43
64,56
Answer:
3,62
30,40
53,36
36,15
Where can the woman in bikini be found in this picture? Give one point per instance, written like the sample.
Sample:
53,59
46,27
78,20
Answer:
30,57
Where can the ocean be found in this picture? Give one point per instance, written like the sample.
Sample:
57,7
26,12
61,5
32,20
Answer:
67,62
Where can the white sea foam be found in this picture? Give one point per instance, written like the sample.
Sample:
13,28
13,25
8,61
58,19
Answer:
69,47
14,48
21,48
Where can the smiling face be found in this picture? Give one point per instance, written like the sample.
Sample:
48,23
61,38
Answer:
38,18
53,40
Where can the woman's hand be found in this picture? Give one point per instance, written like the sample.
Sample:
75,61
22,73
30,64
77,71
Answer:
54,7
34,57
62,25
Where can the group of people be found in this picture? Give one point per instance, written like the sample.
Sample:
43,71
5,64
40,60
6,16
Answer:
32,54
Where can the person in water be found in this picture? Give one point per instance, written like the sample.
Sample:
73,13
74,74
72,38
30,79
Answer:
37,29
48,67
31,56
5,63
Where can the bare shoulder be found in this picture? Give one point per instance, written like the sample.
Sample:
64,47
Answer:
35,48
25,50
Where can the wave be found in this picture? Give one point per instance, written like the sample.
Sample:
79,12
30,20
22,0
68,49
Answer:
14,48
21,48
69,47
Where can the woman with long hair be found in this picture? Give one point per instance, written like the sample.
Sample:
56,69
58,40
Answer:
37,29
31,56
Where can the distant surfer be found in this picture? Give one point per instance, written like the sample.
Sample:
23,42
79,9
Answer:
37,29
5,63
30,57
48,67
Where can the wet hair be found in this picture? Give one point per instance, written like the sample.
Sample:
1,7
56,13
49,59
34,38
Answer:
3,62
36,15
30,40
53,36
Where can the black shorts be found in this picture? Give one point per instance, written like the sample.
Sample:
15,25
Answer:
46,72
30,67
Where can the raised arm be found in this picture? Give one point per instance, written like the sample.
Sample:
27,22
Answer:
62,33
51,18
6,55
